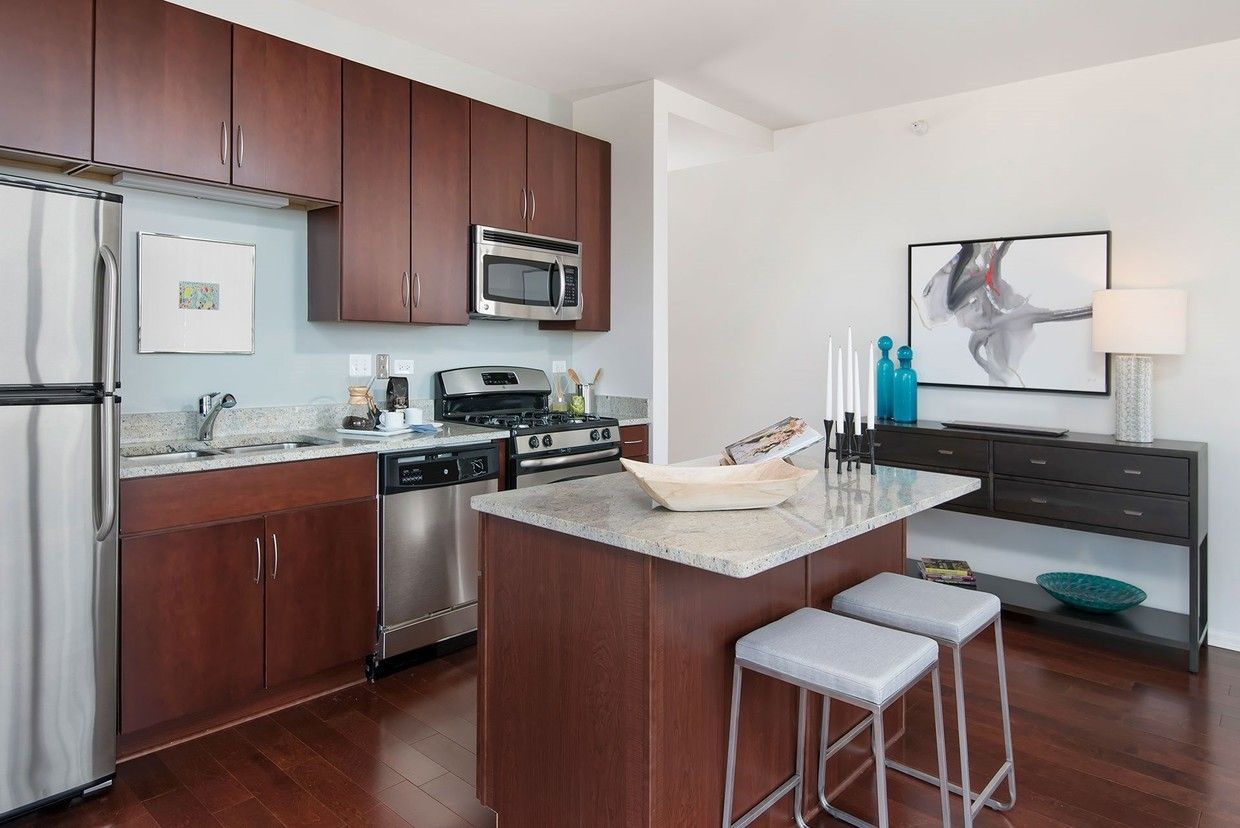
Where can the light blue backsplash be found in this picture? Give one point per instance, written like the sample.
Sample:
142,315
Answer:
294,361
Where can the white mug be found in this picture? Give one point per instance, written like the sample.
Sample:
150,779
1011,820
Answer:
392,419
413,416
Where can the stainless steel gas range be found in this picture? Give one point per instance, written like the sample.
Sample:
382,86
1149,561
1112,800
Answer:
545,446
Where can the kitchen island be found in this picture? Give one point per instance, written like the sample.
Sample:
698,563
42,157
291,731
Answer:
607,628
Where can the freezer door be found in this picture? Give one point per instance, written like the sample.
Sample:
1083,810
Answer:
58,601
59,286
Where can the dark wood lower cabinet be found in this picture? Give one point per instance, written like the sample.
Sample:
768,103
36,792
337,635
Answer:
635,442
191,621
321,579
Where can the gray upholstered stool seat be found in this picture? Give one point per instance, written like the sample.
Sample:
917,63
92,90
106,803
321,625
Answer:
943,612
837,654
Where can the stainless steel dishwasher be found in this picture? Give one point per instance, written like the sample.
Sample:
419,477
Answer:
428,566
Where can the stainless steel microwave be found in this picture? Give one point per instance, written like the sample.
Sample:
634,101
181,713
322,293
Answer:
523,276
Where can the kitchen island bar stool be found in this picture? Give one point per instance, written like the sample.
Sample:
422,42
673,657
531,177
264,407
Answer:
840,658
952,616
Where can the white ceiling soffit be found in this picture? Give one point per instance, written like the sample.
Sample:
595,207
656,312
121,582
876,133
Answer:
794,61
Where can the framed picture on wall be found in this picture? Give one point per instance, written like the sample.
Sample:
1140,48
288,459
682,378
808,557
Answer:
1012,313
195,296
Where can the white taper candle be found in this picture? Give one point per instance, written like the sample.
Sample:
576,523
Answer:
848,361
839,390
856,395
830,378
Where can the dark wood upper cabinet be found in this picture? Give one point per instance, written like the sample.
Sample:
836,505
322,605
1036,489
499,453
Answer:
191,621
45,76
286,112
551,178
440,198
594,233
162,89
321,588
497,182
375,278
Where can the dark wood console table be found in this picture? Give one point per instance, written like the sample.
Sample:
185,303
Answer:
1088,482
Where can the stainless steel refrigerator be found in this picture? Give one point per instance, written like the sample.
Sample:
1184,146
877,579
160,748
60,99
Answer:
59,425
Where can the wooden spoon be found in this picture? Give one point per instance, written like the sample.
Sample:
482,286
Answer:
572,375
597,374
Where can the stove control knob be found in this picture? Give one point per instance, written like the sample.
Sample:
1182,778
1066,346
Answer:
594,435
533,442
546,441
607,434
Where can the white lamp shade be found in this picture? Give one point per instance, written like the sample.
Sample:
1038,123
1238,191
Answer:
1140,321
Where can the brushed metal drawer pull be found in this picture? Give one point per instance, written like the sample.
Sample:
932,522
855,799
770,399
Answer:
1041,500
1133,513
632,442
1037,462
948,452
1132,471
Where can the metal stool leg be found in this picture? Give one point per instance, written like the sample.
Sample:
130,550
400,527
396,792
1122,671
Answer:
1007,721
941,745
966,792
733,724
798,793
880,769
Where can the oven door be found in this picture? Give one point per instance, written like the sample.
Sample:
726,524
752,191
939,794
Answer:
536,471
513,282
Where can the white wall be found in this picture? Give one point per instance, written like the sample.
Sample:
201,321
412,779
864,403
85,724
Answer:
770,253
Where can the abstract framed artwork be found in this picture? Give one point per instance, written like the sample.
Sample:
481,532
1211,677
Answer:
195,296
1012,313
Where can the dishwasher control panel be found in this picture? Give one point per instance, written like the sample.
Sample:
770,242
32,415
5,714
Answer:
401,471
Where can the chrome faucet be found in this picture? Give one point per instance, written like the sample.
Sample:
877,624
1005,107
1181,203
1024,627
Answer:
209,408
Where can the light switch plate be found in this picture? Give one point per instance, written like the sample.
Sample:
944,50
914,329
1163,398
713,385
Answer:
359,365
382,363
558,366
402,367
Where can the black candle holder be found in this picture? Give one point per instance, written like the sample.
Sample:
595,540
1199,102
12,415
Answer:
849,448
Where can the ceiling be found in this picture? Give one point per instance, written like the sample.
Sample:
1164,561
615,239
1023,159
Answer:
787,62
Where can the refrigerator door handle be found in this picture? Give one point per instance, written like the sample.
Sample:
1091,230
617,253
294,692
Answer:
111,297
108,428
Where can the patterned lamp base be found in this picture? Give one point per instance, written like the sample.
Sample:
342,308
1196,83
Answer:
1134,398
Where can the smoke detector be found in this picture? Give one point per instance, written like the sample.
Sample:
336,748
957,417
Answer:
919,127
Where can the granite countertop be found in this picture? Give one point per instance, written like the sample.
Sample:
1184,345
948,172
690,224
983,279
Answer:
336,445
612,509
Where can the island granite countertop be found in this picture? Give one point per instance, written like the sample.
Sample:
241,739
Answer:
613,510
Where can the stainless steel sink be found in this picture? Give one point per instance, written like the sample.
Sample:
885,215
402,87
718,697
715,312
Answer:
171,456
265,447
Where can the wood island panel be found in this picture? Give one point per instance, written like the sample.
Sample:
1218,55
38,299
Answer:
605,679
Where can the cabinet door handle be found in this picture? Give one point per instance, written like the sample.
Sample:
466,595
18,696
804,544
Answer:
275,548
404,289
240,145
1040,500
632,442
948,452
1037,461
1133,512
1133,471
417,290
224,142
258,560
524,203
533,205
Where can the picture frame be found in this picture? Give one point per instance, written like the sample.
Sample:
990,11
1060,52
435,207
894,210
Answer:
1013,316
195,296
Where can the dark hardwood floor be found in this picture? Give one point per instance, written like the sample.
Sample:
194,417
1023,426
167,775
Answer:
1102,738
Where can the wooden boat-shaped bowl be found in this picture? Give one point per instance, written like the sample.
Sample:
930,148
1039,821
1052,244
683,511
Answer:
720,488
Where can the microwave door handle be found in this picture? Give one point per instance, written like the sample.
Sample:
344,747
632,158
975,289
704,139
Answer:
559,306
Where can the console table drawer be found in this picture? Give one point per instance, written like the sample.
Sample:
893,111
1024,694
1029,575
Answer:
1136,513
933,450
1121,470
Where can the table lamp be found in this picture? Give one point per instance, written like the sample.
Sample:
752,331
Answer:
1132,325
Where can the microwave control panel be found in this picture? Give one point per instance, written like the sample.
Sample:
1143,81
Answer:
570,286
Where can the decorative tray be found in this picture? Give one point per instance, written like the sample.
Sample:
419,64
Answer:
720,488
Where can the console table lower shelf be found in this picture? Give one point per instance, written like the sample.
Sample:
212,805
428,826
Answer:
1146,625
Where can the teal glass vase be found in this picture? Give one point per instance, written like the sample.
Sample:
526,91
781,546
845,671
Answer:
884,379
904,388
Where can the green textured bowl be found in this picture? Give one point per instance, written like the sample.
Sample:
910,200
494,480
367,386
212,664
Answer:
1091,593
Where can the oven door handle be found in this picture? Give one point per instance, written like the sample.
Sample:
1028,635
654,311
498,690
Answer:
552,462
559,306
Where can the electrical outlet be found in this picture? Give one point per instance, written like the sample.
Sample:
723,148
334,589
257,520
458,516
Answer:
402,367
359,365
382,361
558,366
